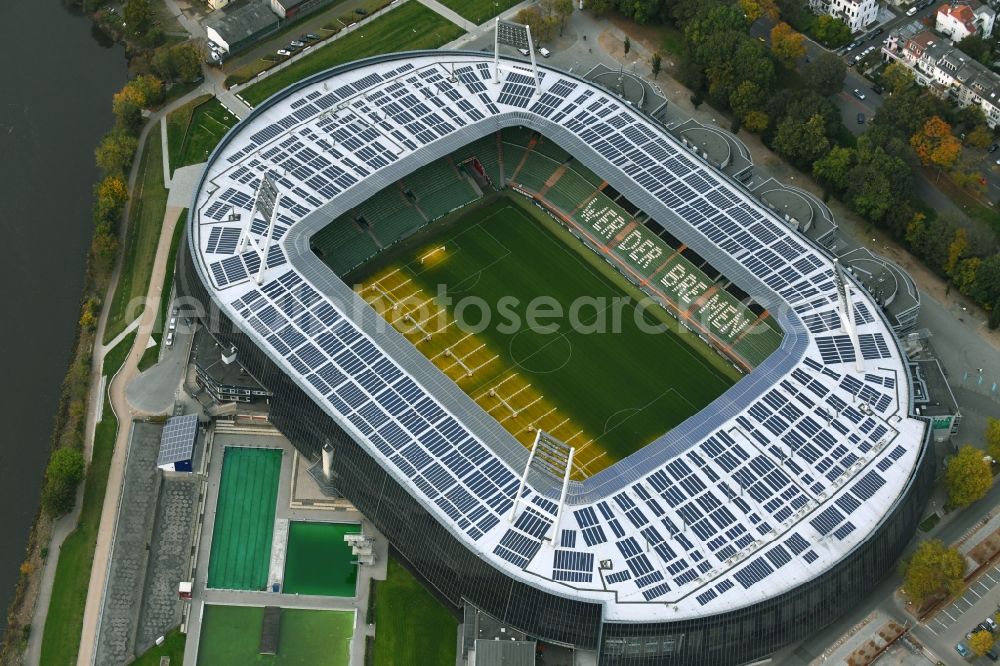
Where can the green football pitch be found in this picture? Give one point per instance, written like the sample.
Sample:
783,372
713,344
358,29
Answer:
594,376
231,635
244,519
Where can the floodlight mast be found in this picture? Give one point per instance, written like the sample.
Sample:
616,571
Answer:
846,315
509,40
266,200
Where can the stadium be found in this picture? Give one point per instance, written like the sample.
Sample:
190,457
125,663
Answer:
707,494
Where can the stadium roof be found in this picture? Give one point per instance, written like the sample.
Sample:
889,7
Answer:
177,439
765,489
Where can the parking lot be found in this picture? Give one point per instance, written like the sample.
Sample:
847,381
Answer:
958,611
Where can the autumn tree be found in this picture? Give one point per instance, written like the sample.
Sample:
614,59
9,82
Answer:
542,26
655,62
981,642
968,477
787,45
561,10
110,195
754,9
956,250
897,77
756,121
979,136
627,45
115,152
933,568
993,438
935,144
138,17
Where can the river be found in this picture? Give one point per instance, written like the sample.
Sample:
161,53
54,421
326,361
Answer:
56,84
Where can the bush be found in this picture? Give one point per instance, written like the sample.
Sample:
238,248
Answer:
62,476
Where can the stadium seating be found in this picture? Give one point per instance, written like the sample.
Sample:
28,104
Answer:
586,173
570,191
439,189
343,244
551,150
517,136
535,171
390,215
487,152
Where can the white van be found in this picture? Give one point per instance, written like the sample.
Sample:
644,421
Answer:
545,52
912,10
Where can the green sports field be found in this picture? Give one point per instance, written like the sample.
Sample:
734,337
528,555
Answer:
593,377
244,519
231,635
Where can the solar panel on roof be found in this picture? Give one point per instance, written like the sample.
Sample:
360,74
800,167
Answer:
178,439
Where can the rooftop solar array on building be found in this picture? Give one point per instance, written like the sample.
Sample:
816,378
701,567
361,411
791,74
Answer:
177,440
772,485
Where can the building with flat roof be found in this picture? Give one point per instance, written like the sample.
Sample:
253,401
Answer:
747,527
889,285
239,25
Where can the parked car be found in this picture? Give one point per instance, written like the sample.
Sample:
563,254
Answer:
297,44
545,52
169,340
311,37
859,94
283,52
962,649
990,622
523,52
877,89
173,324
878,31
992,655
861,119
910,12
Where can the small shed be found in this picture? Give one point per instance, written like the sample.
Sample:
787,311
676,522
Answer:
177,443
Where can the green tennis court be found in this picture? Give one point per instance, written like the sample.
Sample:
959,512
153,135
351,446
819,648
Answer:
244,519
319,561
230,635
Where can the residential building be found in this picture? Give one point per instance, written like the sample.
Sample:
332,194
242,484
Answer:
857,14
962,19
944,69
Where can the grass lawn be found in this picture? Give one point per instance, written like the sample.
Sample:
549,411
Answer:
597,371
208,124
244,519
412,627
152,354
149,201
231,635
64,622
411,26
479,11
172,647
178,122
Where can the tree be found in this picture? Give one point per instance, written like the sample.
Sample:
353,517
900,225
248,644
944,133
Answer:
115,152
956,250
787,45
833,170
103,249
541,26
127,107
756,121
825,74
935,144
745,98
562,9
981,642
754,9
802,143
933,568
831,32
968,477
62,475
976,47
993,437
897,77
627,45
138,16
979,136
655,62
110,196
185,61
